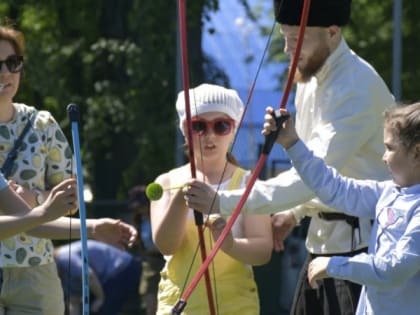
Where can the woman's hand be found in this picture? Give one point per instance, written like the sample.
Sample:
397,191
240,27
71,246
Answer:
62,200
201,197
114,232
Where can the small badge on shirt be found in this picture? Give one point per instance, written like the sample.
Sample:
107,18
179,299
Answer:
393,215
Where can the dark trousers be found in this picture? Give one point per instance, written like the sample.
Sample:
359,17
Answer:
332,297
120,287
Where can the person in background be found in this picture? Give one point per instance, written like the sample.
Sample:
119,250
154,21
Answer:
151,259
339,104
113,276
390,271
217,112
30,284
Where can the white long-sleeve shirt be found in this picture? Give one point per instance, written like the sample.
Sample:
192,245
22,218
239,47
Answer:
390,272
339,117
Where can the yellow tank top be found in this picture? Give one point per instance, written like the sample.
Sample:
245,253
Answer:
233,285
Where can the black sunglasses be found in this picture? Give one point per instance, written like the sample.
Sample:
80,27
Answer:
14,63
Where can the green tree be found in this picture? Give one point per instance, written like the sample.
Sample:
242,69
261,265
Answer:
370,33
117,60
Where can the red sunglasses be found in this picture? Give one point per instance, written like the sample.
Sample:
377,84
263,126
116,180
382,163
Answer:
220,126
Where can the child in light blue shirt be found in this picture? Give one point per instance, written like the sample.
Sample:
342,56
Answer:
390,271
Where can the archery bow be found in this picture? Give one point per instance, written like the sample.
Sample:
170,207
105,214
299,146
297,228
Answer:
248,100
185,79
180,305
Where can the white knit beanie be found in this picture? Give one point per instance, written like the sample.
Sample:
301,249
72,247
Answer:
210,98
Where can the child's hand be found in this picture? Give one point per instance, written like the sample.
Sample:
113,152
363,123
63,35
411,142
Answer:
287,135
317,269
62,200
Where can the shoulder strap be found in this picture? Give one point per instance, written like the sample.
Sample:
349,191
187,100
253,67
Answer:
235,181
8,164
178,175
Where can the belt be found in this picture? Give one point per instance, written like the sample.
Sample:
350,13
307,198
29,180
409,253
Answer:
334,216
347,254
350,220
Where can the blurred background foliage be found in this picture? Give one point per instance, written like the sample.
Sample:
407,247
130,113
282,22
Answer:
117,59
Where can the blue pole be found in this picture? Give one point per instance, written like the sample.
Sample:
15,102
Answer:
73,112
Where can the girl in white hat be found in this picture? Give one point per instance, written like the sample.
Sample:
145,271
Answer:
216,112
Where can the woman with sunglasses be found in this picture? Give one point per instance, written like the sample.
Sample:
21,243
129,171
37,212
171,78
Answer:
30,284
216,112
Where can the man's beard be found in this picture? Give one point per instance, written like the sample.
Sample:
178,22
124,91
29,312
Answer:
314,64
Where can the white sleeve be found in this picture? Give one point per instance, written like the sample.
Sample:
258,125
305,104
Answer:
280,193
338,138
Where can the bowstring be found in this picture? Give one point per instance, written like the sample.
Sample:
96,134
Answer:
67,302
246,106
